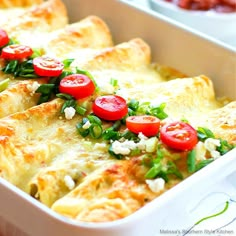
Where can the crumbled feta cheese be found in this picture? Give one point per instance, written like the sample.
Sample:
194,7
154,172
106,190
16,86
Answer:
200,151
69,113
156,185
141,136
215,154
123,148
86,125
69,182
211,144
33,87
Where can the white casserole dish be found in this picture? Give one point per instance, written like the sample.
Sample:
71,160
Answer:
173,45
218,25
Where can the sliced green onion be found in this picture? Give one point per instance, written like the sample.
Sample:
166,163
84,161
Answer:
172,169
135,152
68,103
94,120
204,133
11,67
129,135
95,131
67,62
224,147
114,82
64,96
154,171
110,134
191,161
80,110
158,111
36,53
133,104
45,88
203,163
83,132
4,84
147,160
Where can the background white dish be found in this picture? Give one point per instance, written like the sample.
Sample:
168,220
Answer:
219,25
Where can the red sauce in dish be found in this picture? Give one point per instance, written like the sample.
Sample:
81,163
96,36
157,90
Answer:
221,6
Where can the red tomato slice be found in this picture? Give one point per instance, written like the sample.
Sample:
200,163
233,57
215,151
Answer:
16,52
179,135
47,66
77,85
4,39
110,107
148,125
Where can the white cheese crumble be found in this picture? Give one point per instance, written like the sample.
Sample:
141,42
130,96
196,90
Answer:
156,185
69,182
200,151
211,144
123,148
33,87
86,125
69,113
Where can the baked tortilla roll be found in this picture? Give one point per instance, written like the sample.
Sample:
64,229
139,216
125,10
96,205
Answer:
222,122
91,33
128,62
19,96
183,97
121,56
66,172
30,139
106,195
46,17
18,3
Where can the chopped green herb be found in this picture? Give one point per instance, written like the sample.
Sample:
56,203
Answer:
204,133
133,104
154,171
203,163
80,110
64,96
4,84
67,62
224,147
95,130
158,111
11,67
114,82
68,103
191,161
83,132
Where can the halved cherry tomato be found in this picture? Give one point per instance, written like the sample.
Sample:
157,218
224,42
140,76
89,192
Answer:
77,85
16,52
179,135
4,39
47,66
148,125
110,107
